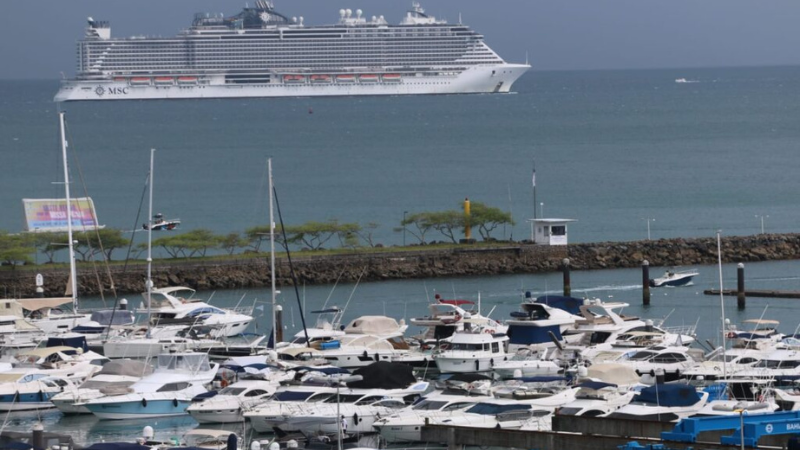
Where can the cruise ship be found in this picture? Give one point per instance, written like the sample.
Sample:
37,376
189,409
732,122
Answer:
263,53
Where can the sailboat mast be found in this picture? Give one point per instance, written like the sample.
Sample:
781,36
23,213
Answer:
149,282
272,254
722,307
70,244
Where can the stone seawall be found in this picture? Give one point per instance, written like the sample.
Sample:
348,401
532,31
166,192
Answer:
462,261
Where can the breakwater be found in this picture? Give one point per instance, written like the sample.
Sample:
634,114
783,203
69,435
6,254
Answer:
468,260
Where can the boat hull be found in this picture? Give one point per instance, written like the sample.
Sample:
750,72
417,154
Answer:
138,410
474,80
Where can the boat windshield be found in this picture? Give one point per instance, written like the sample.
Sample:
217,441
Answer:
641,356
291,396
467,347
491,409
344,398
777,364
232,391
429,405
190,362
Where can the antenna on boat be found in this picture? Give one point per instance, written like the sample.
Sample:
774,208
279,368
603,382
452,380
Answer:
70,243
149,283
722,305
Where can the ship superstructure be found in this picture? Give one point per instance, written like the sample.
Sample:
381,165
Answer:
262,53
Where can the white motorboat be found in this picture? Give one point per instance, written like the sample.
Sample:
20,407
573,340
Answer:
663,403
595,398
20,392
176,305
471,352
114,378
67,362
539,322
674,278
406,425
228,405
671,360
527,362
367,339
168,391
267,415
493,414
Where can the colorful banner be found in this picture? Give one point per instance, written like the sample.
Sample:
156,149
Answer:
50,214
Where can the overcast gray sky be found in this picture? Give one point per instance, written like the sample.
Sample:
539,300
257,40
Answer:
39,36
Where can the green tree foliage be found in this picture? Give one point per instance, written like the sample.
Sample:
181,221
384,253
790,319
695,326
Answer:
487,218
189,244
231,241
447,223
314,235
44,242
16,248
366,232
418,225
258,237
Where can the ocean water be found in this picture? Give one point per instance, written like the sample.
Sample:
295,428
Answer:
611,148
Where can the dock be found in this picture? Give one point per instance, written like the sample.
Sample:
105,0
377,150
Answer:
755,293
584,433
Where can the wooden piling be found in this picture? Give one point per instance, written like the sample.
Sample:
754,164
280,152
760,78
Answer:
567,281
646,283
278,324
740,293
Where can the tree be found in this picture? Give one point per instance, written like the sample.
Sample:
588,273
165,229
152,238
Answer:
110,238
44,242
447,223
257,236
314,234
195,242
422,225
16,248
487,218
348,234
231,241
367,231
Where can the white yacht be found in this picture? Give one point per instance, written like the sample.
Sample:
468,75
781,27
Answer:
20,392
168,391
114,378
471,352
229,404
663,403
177,306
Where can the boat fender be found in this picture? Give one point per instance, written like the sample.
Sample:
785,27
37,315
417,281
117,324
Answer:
477,365
505,358
427,421
355,418
652,373
491,362
144,403
377,356
16,397
366,355
677,372
488,330
41,395
175,402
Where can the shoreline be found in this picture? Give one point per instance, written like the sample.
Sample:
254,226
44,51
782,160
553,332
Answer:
417,263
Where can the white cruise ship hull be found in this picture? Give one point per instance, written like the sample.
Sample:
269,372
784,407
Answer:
474,80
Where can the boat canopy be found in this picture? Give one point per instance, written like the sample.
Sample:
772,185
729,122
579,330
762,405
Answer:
384,375
72,342
126,367
15,307
669,395
619,374
109,317
569,304
376,325
195,362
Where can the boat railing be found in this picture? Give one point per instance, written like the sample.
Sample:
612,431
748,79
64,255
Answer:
684,330
246,310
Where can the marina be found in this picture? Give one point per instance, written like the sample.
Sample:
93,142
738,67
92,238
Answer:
357,266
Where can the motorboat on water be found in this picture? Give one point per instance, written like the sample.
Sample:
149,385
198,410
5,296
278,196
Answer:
674,278
229,404
541,322
68,362
367,339
595,398
471,352
406,425
168,391
20,392
159,223
663,403
177,306
114,378
528,362
384,389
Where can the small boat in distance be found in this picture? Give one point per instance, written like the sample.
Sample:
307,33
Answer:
673,278
160,224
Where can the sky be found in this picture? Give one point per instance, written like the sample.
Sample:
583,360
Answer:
39,35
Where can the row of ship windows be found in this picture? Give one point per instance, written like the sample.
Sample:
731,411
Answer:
228,44
311,49
250,64
273,57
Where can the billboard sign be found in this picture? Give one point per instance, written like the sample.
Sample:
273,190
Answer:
50,214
